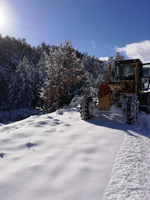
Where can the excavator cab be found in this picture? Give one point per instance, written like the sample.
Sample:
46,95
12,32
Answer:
133,70
125,71
145,83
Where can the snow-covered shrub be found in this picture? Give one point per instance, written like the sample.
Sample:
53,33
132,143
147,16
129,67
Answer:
75,101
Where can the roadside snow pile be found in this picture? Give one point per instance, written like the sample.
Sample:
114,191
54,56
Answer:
131,174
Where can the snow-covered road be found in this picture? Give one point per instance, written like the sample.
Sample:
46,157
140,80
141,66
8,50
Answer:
131,174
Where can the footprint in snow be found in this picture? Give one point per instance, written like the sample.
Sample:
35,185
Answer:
56,120
42,123
30,145
50,117
67,125
2,154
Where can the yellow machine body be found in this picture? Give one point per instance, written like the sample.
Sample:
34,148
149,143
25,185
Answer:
104,102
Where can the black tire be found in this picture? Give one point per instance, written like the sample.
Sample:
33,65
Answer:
132,110
145,102
84,108
147,99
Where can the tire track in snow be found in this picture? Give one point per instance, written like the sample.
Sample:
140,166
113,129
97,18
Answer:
131,173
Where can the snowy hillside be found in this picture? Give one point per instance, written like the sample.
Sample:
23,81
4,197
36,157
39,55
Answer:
59,156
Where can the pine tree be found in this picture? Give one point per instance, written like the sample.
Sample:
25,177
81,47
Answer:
42,75
22,85
3,81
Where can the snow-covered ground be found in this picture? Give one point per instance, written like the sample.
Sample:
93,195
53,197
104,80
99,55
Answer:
61,157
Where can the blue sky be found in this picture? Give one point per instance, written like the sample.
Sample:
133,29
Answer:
99,27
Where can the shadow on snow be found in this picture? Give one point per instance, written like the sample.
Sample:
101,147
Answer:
118,121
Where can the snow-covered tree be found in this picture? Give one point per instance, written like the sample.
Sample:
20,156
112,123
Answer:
11,52
22,86
3,81
64,71
41,69
96,73
41,76
119,57
111,62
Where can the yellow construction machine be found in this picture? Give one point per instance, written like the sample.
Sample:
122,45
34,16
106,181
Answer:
127,88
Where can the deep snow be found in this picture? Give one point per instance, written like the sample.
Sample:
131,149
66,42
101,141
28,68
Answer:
59,156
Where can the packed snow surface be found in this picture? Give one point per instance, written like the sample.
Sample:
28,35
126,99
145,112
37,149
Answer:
61,157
